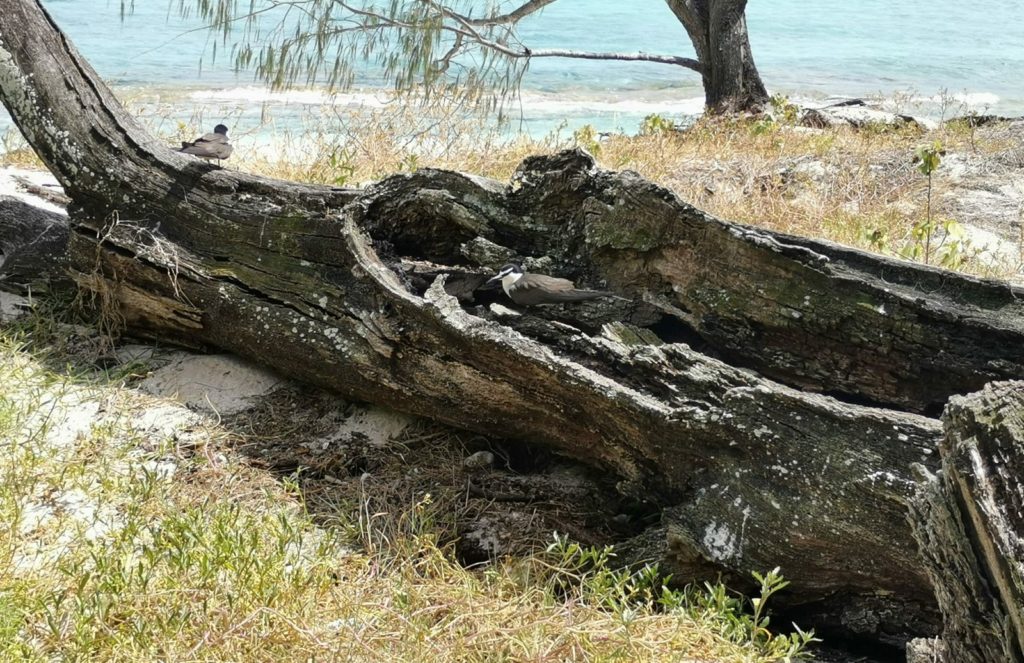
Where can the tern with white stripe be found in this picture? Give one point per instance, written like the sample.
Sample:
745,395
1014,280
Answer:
528,289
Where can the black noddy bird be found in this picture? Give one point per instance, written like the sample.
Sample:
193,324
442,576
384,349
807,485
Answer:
531,289
210,146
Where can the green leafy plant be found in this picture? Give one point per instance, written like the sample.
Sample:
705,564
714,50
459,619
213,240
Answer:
410,163
784,110
715,604
586,137
629,593
341,165
954,247
952,251
764,126
657,125
927,158
876,238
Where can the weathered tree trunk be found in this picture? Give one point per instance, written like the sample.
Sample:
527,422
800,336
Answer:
718,30
807,313
969,521
337,287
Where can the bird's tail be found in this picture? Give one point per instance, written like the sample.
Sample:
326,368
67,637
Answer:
579,295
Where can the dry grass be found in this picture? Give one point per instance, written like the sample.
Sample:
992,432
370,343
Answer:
351,148
129,531
14,151
858,187
837,184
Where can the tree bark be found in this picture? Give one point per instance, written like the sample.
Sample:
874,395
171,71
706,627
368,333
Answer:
808,313
718,30
969,522
358,291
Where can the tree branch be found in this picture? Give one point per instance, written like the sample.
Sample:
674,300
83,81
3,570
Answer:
468,30
689,63
513,16
445,61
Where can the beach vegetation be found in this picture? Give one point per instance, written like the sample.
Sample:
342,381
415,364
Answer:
148,569
655,124
587,138
783,110
952,247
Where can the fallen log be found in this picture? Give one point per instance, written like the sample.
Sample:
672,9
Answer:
805,312
365,293
969,522
33,248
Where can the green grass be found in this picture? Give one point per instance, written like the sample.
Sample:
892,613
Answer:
130,531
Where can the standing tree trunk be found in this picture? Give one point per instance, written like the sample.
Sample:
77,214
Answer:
718,30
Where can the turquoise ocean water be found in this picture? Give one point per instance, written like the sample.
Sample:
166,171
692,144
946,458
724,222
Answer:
915,50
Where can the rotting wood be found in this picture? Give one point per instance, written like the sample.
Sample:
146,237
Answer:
969,522
46,193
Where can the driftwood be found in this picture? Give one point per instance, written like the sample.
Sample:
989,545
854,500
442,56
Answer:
969,521
47,193
374,294
33,248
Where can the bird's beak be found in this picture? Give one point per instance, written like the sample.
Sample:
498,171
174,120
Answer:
496,277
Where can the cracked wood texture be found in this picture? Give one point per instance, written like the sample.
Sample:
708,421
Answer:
339,288
808,313
969,521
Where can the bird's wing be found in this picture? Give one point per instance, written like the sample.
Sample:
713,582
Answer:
211,146
201,150
544,282
526,296
571,296
212,138
534,289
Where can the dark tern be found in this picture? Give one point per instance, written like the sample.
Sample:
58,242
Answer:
210,146
530,289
